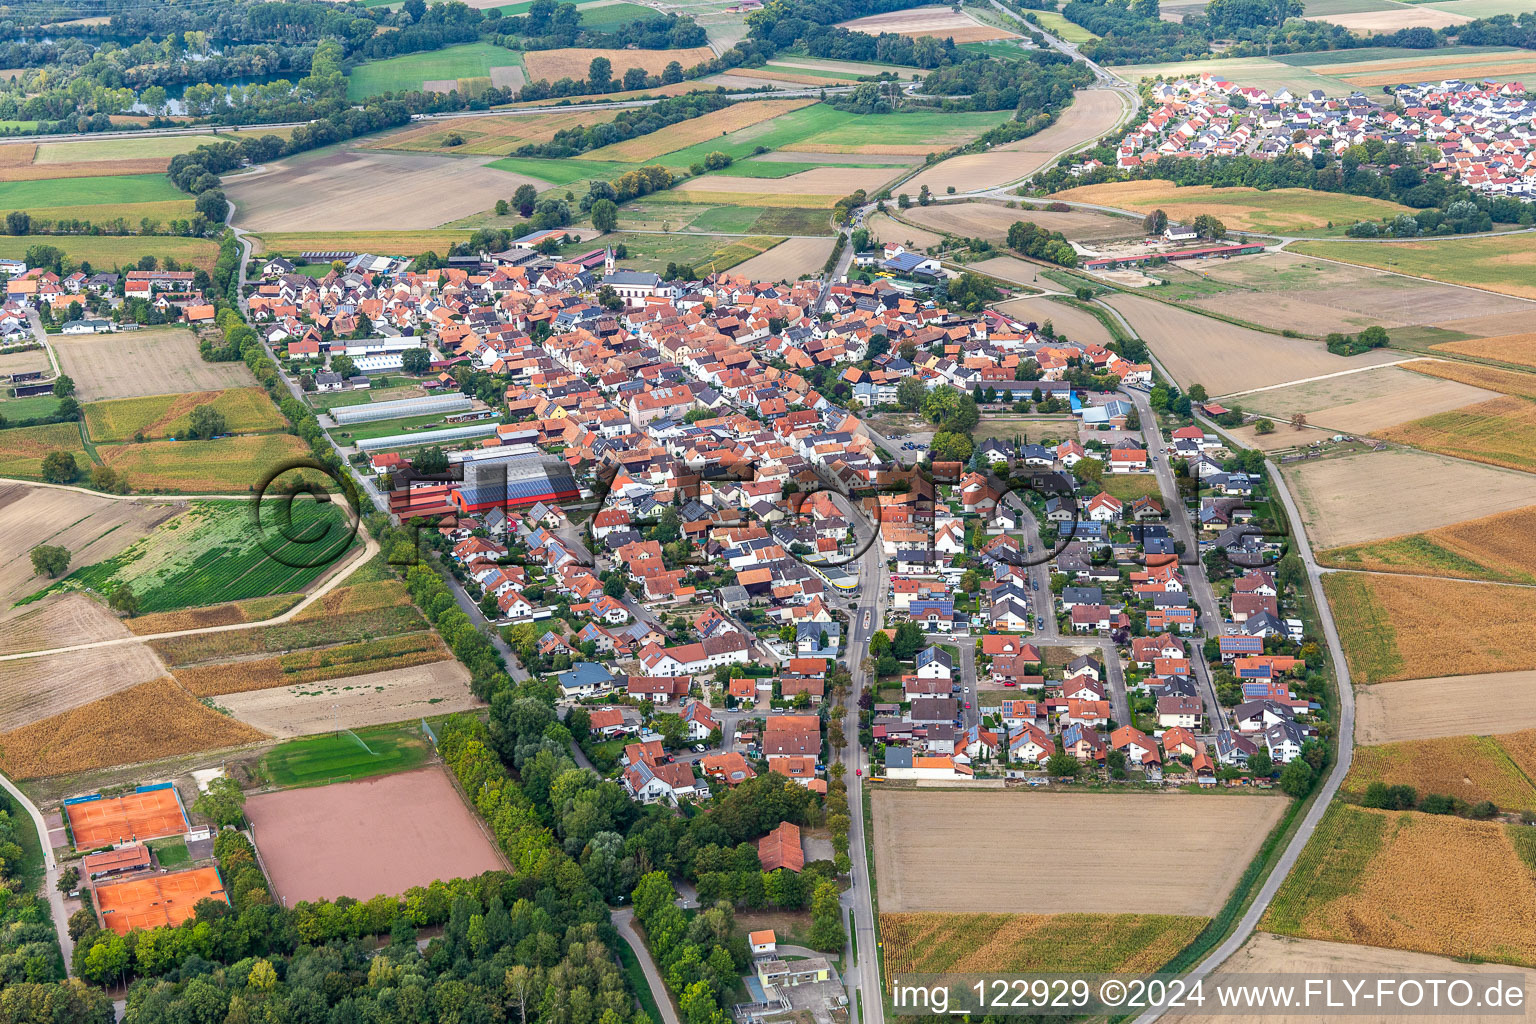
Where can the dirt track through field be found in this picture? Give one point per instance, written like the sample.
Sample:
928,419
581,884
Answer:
354,190
1357,498
355,701
368,838
959,851
1093,112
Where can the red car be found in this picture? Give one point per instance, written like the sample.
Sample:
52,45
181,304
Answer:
858,771
967,705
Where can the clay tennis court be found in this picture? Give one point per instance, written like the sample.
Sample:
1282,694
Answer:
118,819
367,838
157,901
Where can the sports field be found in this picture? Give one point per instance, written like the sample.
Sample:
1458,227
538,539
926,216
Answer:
321,760
366,838
412,71
1496,262
159,901
213,553
1209,843
118,819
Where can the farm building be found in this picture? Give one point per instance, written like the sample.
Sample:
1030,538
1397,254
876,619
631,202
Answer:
515,482
1198,253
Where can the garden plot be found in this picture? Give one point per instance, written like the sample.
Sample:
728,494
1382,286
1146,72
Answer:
1227,358
1357,498
138,363
992,220
1360,403
352,702
1094,112
1072,837
365,189
940,22
1480,704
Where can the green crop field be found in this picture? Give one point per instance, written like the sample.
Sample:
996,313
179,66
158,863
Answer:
213,553
245,410
105,252
14,409
1058,25
610,15
107,190
317,760
563,172
22,449
398,74
654,252
1496,262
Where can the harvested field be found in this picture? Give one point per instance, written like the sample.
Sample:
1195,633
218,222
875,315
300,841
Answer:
1265,953
1287,312
148,722
1286,211
1499,263
288,636
140,363
1362,403
92,529
1478,704
24,361
771,77
1470,768
1503,69
32,689
939,22
1499,432
254,609
404,243
117,250
367,838
393,695
61,620
1509,348
367,189
314,665
1093,113
1068,321
22,449
1070,834
1495,547
1370,22
1227,358
486,136
1507,382
1401,627
884,227
572,62
937,943
1009,268
94,169
1404,491
157,901
815,183
19,155
697,130
992,220
228,465
244,410
788,260
1430,883
1491,325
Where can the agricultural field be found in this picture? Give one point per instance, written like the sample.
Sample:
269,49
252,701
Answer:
245,410
212,553
1405,492
1508,382
32,689
662,214
58,621
366,190
354,701
938,943
1409,627
91,528
228,465
313,665
1266,953
1479,704
1519,349
1227,358
1496,262
1428,883
886,228
696,131
22,449
414,71
485,136
1495,547
320,760
143,723
654,252
109,192
811,188
1057,25
252,609
1362,403
378,836
939,22
1499,432
1340,72
1071,835
310,628
107,251
1470,768
992,220
1391,20
1281,211
404,243
1068,321
553,65
788,260
141,363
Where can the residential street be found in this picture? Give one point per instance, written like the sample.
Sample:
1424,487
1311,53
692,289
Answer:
51,872
624,920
